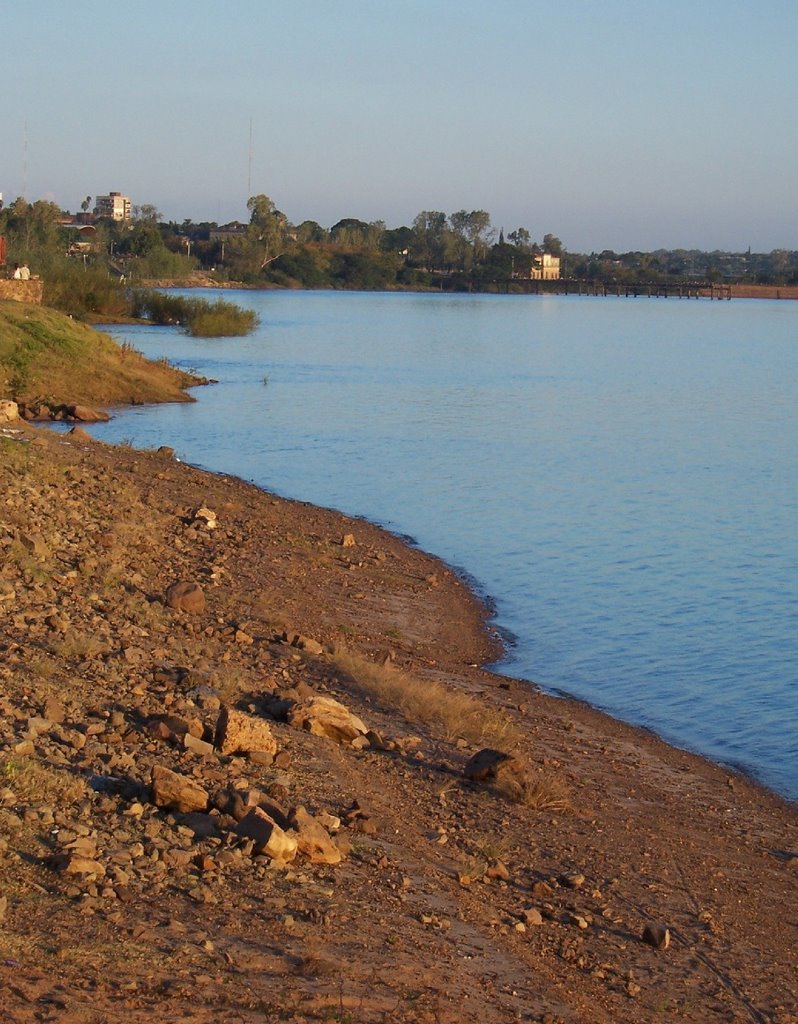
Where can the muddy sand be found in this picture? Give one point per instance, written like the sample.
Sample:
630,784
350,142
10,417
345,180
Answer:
156,865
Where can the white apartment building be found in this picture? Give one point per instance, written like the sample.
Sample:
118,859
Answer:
114,206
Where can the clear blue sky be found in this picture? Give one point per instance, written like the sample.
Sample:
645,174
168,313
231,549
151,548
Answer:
623,124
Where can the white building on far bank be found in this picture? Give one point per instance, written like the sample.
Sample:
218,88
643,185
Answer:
545,267
114,206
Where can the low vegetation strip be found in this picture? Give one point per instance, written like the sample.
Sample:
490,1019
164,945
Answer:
200,318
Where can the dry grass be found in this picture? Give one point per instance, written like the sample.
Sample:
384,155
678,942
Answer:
451,714
78,646
31,780
230,682
547,793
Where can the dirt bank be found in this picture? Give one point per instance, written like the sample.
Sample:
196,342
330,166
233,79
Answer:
454,900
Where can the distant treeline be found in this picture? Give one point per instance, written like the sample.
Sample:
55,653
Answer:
90,265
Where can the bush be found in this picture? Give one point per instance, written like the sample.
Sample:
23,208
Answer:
200,318
78,291
220,319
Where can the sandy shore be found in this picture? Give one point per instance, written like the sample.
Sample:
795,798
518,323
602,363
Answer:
454,900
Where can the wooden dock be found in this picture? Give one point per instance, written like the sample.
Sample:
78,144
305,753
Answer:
630,290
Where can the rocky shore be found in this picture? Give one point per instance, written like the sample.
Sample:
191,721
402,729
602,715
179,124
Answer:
251,770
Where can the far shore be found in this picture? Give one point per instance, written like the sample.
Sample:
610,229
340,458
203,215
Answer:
204,279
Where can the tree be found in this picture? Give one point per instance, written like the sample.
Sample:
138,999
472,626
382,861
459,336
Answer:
86,204
268,229
473,234
146,211
521,239
311,231
430,239
552,245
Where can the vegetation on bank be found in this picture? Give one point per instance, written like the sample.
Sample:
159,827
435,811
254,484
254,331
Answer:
200,318
47,356
459,251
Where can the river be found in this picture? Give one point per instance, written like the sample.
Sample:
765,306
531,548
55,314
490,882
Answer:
617,475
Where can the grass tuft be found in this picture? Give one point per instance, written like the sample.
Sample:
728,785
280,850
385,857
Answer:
31,780
429,702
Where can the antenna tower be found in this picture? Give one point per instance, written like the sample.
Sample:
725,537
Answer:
249,162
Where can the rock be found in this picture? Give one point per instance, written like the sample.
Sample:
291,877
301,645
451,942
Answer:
185,596
267,836
574,880
9,411
77,865
302,643
239,733
657,936
532,917
504,771
498,870
323,716
542,889
348,540
3,908
205,517
231,803
53,710
176,792
313,839
202,825
328,821
84,414
38,726
197,746
34,544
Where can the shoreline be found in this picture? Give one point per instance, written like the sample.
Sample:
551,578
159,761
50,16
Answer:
203,280
439,881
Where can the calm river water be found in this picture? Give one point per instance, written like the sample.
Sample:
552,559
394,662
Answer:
618,475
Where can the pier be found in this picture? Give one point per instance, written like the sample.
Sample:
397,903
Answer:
630,290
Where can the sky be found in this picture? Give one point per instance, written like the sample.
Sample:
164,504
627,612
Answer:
620,124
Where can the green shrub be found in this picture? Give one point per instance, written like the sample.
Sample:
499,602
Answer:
200,318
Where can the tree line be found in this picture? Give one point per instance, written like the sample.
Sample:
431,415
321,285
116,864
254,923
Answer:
462,250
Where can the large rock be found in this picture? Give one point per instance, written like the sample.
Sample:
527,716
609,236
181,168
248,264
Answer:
176,792
185,596
505,771
268,837
239,733
83,414
237,803
323,716
314,841
9,411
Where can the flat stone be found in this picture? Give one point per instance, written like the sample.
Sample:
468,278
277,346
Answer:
176,792
197,746
323,716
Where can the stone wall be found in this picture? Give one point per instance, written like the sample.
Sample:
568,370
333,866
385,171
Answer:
22,291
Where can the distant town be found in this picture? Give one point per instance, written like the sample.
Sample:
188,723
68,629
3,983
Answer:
113,241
